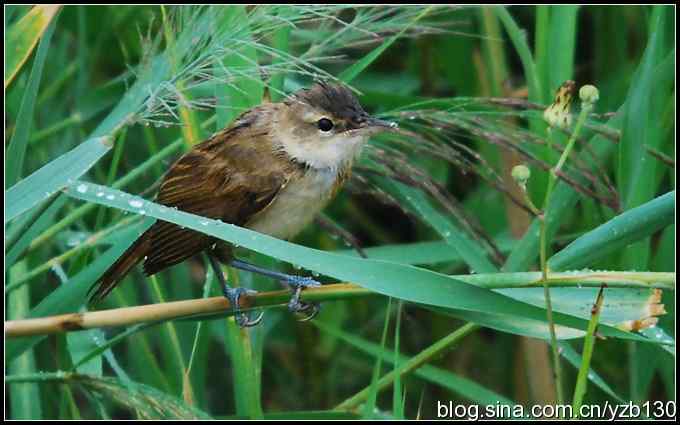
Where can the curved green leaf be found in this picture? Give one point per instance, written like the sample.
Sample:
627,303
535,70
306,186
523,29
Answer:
617,233
396,280
54,176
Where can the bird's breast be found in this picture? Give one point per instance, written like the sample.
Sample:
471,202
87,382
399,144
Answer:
298,202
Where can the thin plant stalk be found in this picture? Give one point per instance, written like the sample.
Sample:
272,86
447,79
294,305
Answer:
411,365
588,347
585,110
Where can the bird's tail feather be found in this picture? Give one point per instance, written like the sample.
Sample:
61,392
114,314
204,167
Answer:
133,255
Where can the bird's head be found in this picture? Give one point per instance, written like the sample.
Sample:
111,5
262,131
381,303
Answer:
325,126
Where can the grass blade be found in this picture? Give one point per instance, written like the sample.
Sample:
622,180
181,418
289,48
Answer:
358,67
390,279
54,176
617,233
17,145
519,41
23,36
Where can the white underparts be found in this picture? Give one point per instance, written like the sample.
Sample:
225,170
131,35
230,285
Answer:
296,205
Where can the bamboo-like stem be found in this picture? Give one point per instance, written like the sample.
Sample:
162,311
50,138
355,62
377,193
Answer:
173,310
412,364
169,311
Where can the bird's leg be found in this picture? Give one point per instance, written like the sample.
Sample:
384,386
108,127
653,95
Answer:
295,283
233,295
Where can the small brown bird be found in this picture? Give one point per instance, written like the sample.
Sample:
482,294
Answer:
273,170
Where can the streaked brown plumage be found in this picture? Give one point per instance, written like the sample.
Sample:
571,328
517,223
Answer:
272,171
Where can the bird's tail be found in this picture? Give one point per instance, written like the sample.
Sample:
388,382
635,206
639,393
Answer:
133,255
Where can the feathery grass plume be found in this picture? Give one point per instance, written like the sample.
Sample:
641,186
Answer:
446,129
206,35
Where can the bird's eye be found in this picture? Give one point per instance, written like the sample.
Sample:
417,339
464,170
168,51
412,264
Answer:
325,124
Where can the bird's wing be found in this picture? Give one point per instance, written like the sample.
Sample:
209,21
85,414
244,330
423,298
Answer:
217,179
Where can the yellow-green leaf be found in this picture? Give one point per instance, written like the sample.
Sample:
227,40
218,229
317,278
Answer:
23,36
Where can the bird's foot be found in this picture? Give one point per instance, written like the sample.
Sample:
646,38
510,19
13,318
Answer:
297,284
233,295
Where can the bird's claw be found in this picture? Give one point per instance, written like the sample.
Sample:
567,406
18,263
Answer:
242,319
315,307
297,306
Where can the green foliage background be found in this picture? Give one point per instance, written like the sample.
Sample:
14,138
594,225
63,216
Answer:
131,73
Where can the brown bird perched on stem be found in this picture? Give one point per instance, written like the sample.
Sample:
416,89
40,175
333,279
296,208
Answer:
271,171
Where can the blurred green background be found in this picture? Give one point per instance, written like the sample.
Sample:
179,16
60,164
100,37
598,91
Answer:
170,77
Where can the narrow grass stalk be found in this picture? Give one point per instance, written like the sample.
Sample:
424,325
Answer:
588,347
75,119
209,274
246,382
370,406
173,337
414,363
552,180
398,395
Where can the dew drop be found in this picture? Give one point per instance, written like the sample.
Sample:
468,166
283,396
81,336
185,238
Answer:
142,212
205,223
100,194
135,203
82,188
